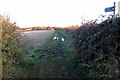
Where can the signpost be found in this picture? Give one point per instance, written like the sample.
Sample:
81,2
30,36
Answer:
110,9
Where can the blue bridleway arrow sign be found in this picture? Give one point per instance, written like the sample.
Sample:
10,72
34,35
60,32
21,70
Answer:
109,9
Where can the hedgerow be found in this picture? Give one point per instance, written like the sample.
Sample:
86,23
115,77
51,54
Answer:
11,49
97,49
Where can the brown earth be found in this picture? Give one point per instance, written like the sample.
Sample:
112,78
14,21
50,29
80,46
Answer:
35,39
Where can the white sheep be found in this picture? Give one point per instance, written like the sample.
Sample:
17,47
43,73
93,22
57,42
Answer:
57,38
62,39
54,38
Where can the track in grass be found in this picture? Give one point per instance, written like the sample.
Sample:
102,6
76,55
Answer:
55,62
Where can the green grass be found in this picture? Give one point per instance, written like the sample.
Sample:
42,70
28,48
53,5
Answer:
51,60
55,62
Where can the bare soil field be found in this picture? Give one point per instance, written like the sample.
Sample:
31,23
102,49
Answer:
35,39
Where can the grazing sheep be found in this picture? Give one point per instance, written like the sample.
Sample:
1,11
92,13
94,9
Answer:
54,38
57,38
62,39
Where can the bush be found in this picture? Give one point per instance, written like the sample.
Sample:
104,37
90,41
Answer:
98,49
11,51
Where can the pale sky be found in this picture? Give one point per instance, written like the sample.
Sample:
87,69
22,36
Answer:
30,13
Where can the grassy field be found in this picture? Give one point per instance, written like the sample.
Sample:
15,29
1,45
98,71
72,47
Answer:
56,59
45,57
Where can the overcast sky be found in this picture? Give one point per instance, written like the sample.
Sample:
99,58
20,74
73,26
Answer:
29,13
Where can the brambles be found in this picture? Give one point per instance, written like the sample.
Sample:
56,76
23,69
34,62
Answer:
97,49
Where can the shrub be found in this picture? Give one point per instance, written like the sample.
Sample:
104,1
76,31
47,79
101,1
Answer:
98,49
11,51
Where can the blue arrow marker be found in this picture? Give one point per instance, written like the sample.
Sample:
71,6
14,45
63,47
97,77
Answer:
109,9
